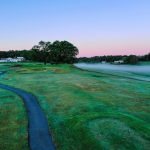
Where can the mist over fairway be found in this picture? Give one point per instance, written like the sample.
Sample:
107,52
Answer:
111,67
141,71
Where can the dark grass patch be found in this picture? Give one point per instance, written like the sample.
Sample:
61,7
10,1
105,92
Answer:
59,71
97,76
16,66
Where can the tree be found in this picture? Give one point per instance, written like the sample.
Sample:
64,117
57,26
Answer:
132,59
56,52
63,52
41,51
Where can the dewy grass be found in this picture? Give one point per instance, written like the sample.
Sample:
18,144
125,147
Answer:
87,110
13,122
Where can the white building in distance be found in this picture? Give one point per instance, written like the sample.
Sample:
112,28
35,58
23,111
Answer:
119,62
18,59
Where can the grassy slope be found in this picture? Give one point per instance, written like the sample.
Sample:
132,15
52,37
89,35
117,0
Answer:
88,110
144,63
13,122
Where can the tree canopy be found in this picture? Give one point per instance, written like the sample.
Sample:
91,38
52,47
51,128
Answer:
47,52
132,59
41,52
63,52
56,52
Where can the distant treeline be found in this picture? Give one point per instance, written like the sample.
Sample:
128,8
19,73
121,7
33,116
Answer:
132,59
97,59
65,52
27,54
47,52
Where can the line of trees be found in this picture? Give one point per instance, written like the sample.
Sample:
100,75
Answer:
131,59
145,57
97,59
65,52
47,52
56,52
27,54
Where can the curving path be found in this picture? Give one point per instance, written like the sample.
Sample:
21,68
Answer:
39,137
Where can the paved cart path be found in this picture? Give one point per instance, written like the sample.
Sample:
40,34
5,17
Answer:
39,135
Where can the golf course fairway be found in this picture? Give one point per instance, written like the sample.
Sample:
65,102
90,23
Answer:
85,110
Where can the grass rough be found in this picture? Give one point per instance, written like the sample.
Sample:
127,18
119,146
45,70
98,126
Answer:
13,122
87,110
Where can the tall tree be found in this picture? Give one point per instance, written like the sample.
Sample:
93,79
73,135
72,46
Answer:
42,51
63,52
132,59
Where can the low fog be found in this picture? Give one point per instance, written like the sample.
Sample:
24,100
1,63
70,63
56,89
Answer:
111,67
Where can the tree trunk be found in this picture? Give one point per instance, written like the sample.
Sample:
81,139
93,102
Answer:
45,62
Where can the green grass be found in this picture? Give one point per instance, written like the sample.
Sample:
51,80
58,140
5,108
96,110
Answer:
145,63
87,110
13,122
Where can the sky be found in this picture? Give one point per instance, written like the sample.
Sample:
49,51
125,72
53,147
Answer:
96,27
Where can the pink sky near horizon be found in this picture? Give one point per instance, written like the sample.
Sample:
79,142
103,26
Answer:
96,28
113,48
89,49
89,53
